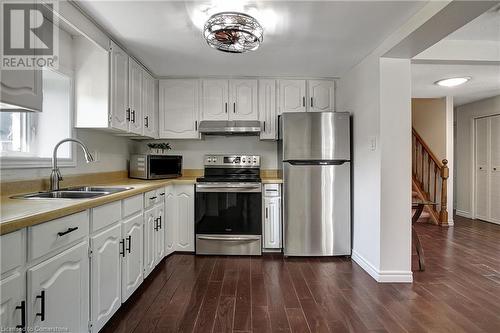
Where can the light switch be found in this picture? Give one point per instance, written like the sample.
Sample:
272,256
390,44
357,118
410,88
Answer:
373,143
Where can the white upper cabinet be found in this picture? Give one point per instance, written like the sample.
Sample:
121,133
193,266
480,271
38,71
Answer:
178,109
321,95
150,114
243,100
21,88
135,96
58,291
214,99
292,96
119,111
267,109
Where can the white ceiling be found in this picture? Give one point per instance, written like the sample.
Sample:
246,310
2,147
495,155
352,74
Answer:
473,50
301,38
485,81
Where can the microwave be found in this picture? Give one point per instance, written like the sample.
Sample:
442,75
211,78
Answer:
146,166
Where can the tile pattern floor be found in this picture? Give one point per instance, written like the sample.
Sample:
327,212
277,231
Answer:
458,292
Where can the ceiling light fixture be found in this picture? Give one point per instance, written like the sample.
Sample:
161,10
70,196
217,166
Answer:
452,82
233,32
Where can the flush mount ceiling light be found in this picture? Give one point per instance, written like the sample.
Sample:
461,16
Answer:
452,82
233,32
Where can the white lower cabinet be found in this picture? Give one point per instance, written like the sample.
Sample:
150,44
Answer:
58,291
170,220
184,197
12,302
272,217
105,275
154,237
132,259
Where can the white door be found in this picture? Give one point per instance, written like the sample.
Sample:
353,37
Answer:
149,240
321,95
481,168
185,217
292,96
22,88
267,109
495,169
214,99
135,96
12,301
178,109
243,101
170,220
272,223
119,108
160,233
105,275
148,106
132,269
58,291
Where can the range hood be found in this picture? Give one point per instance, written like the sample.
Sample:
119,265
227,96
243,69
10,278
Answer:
241,127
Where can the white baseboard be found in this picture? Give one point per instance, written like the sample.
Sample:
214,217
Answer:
463,213
382,276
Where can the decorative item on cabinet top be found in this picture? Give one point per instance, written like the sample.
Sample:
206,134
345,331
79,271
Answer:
160,148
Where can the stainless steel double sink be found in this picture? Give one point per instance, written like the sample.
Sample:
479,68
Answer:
81,192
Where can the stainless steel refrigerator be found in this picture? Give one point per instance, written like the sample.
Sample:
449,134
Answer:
315,158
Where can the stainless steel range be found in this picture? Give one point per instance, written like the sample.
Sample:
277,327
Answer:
228,205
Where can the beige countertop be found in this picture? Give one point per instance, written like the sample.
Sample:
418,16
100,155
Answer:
16,214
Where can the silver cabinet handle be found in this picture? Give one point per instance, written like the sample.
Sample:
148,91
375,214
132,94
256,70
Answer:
146,121
304,101
234,107
226,107
128,114
311,102
266,212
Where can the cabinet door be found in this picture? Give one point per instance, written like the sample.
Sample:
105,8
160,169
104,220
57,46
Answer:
272,223
178,109
267,109
58,289
292,96
119,89
12,301
243,101
214,99
135,96
132,268
105,275
148,106
170,220
495,169
321,95
149,240
160,233
22,88
185,217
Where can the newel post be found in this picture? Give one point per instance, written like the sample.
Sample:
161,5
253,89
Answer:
443,214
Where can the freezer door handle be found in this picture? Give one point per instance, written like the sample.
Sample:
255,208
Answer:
317,162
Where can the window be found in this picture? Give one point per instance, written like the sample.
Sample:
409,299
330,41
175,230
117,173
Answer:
27,136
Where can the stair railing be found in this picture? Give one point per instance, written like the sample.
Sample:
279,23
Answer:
430,175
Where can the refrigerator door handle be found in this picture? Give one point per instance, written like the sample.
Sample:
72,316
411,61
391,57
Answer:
318,163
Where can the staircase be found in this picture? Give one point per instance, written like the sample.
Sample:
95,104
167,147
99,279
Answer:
429,181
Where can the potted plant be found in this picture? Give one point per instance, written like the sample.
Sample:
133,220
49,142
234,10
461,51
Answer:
159,148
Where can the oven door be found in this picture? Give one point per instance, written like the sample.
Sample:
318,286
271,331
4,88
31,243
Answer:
228,218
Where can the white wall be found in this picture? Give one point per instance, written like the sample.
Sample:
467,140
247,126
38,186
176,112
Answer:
464,152
194,150
378,93
112,154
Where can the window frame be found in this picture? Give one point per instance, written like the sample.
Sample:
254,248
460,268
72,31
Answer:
15,160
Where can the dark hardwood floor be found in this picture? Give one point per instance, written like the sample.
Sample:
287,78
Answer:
458,292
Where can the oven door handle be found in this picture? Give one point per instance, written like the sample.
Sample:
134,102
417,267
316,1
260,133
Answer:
228,188
231,239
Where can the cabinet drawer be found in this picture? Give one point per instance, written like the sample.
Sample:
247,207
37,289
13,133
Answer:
272,190
13,248
50,236
132,205
151,198
105,215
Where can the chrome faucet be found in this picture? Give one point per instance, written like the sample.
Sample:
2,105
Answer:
55,175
